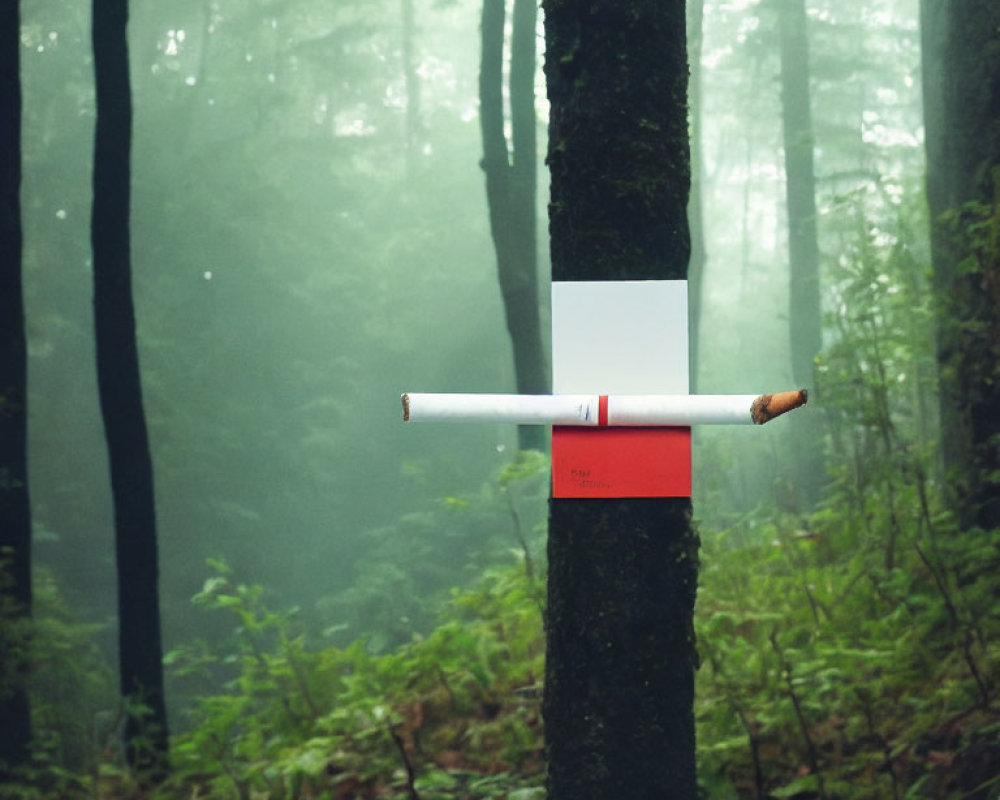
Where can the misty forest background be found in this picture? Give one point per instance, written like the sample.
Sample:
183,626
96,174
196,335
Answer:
351,607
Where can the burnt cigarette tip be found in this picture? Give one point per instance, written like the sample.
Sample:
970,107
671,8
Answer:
406,406
768,406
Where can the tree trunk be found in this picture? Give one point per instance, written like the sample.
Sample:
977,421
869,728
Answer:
696,216
412,82
804,315
15,510
140,655
510,192
622,573
961,74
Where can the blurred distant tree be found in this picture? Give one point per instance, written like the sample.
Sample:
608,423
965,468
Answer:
696,213
800,188
866,112
620,652
15,512
804,316
411,80
511,184
140,654
961,73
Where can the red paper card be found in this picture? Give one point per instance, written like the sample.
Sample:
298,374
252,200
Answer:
621,462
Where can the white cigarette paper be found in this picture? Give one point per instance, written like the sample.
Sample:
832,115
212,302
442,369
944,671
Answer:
680,409
522,409
585,409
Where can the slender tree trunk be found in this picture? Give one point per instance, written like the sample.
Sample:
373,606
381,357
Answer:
15,511
511,185
696,221
622,573
140,655
804,316
961,73
412,82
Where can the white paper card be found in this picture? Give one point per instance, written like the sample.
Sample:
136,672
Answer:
619,337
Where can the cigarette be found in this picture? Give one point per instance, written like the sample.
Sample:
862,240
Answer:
601,410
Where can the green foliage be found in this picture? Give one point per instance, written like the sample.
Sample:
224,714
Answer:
820,662
826,672
877,381
72,685
71,692
454,713
398,589
853,653
15,632
825,675
968,247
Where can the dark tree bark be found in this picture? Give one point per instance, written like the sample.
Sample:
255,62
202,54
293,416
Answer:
140,654
622,573
804,316
15,512
511,185
961,74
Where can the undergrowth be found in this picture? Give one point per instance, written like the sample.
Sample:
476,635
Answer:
452,713
824,675
828,676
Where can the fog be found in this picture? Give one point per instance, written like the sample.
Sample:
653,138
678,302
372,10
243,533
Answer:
304,250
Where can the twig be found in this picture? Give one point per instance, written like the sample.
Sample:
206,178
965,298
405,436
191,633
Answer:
515,518
411,773
957,625
866,707
529,565
737,706
800,715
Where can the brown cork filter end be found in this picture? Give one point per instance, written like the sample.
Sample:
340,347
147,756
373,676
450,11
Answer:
406,407
768,406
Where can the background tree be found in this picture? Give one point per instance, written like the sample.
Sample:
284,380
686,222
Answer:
119,386
961,72
411,81
620,655
696,211
15,512
804,314
511,185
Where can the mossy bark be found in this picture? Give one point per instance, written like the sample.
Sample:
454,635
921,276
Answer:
622,573
618,139
961,56
621,653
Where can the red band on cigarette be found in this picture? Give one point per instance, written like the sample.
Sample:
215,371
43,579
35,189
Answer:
602,410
